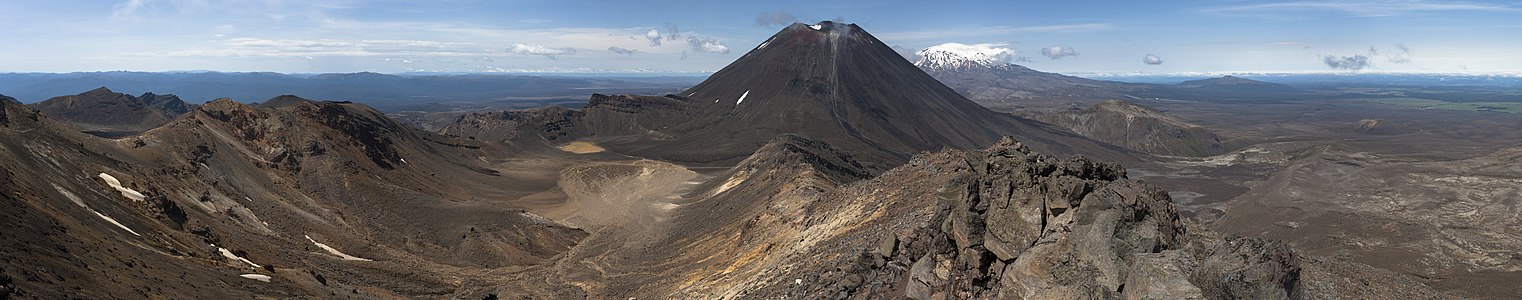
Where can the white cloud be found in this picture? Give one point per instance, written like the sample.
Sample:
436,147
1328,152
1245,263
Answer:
654,36
540,50
1353,63
991,30
707,45
1152,59
1058,52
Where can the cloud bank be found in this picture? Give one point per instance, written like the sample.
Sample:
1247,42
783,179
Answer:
776,19
622,51
710,45
1352,63
1058,52
540,50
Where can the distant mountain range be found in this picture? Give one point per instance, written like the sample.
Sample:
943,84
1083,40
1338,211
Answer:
1010,87
382,91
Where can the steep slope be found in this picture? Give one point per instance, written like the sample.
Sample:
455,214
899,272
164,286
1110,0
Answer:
110,114
1138,128
1010,87
795,220
312,199
829,81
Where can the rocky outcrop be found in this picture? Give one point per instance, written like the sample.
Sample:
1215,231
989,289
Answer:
1007,223
170,105
552,123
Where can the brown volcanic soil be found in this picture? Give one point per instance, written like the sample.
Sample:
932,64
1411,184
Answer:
1323,185
264,184
428,216
232,186
1138,128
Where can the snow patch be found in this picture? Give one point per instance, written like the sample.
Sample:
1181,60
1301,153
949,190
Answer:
742,97
817,26
71,196
117,184
114,222
763,45
102,216
259,277
335,251
229,255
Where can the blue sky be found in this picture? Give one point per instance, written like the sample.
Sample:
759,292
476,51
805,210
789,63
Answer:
392,36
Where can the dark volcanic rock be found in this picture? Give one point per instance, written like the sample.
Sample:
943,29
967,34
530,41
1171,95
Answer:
1008,223
551,123
111,114
171,105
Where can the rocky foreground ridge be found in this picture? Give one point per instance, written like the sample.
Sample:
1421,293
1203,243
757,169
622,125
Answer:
1007,223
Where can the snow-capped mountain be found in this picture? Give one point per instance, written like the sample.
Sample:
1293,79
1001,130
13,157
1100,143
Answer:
951,56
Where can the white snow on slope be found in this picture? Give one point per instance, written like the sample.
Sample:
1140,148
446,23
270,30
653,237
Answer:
114,222
259,277
335,251
117,184
230,255
81,203
742,97
957,55
817,26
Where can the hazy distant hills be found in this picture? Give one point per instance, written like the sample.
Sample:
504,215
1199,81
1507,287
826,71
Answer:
1138,128
383,91
1009,87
